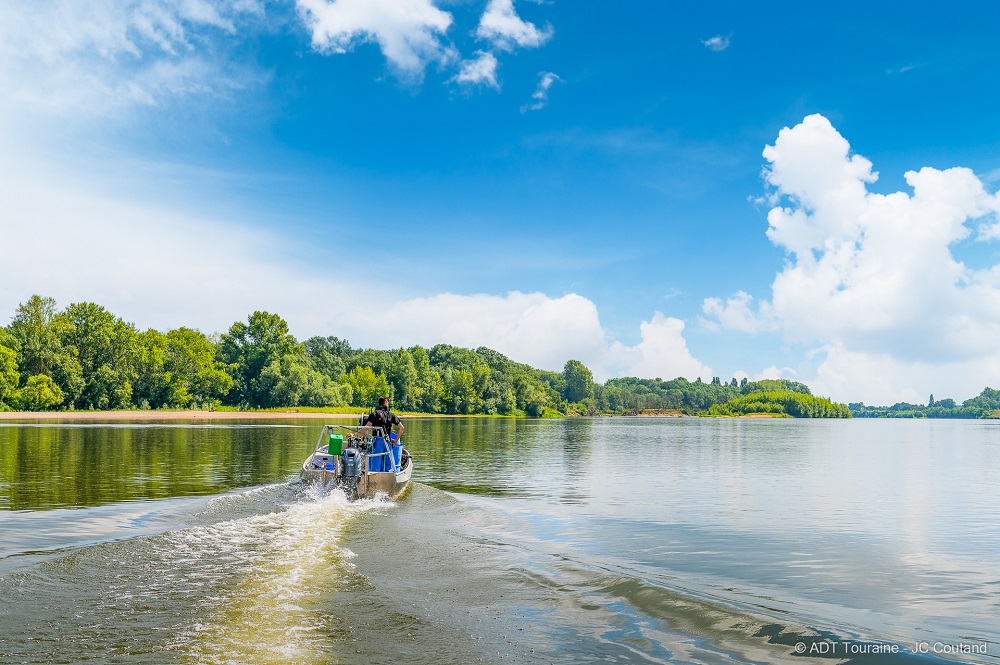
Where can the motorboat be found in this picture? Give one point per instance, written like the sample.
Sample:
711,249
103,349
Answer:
361,460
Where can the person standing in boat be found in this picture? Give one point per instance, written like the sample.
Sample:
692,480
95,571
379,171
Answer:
384,418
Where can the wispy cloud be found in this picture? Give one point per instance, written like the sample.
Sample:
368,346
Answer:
482,70
717,43
501,26
541,94
991,176
94,56
903,69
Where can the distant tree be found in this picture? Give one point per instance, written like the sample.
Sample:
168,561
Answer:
38,333
9,375
578,380
290,382
250,347
107,350
151,388
463,391
402,374
988,400
194,376
430,386
366,386
326,355
930,402
40,393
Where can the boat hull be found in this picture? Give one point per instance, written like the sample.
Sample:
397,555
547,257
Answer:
367,486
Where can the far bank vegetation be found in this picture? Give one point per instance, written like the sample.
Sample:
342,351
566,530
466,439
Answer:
84,357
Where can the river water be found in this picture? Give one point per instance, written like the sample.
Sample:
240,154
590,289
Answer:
612,540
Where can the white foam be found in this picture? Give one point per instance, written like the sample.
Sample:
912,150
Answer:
285,559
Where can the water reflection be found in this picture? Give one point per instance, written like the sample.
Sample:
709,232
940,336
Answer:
46,467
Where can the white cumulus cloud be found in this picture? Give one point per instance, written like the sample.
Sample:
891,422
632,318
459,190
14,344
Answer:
482,70
501,26
529,327
737,313
409,32
662,353
873,276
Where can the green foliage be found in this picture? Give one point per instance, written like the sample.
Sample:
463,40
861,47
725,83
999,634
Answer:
774,385
290,381
366,386
107,349
327,356
94,360
38,334
976,407
40,393
194,376
987,401
578,382
8,369
151,385
429,392
781,402
250,347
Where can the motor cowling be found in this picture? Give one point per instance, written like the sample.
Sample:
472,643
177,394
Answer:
351,463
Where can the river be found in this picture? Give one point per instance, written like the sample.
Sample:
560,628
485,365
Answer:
612,540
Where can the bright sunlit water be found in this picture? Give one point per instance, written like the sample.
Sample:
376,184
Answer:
578,540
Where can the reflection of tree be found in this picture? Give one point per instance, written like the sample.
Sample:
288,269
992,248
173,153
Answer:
578,433
52,467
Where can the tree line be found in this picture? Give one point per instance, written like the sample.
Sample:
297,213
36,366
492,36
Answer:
84,357
984,405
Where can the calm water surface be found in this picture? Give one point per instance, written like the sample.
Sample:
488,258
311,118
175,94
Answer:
582,540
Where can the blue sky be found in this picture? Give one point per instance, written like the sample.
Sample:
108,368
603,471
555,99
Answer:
552,179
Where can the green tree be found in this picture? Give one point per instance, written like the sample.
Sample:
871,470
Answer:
9,375
151,388
40,393
193,374
327,355
402,374
38,333
578,380
250,347
366,386
430,387
462,387
107,350
291,382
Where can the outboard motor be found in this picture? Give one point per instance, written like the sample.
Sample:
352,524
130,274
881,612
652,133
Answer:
352,463
352,467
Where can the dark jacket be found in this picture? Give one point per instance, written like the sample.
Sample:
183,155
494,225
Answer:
382,417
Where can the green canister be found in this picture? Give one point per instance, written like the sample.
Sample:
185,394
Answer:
336,444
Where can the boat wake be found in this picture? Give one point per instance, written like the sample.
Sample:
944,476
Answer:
284,562
239,581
